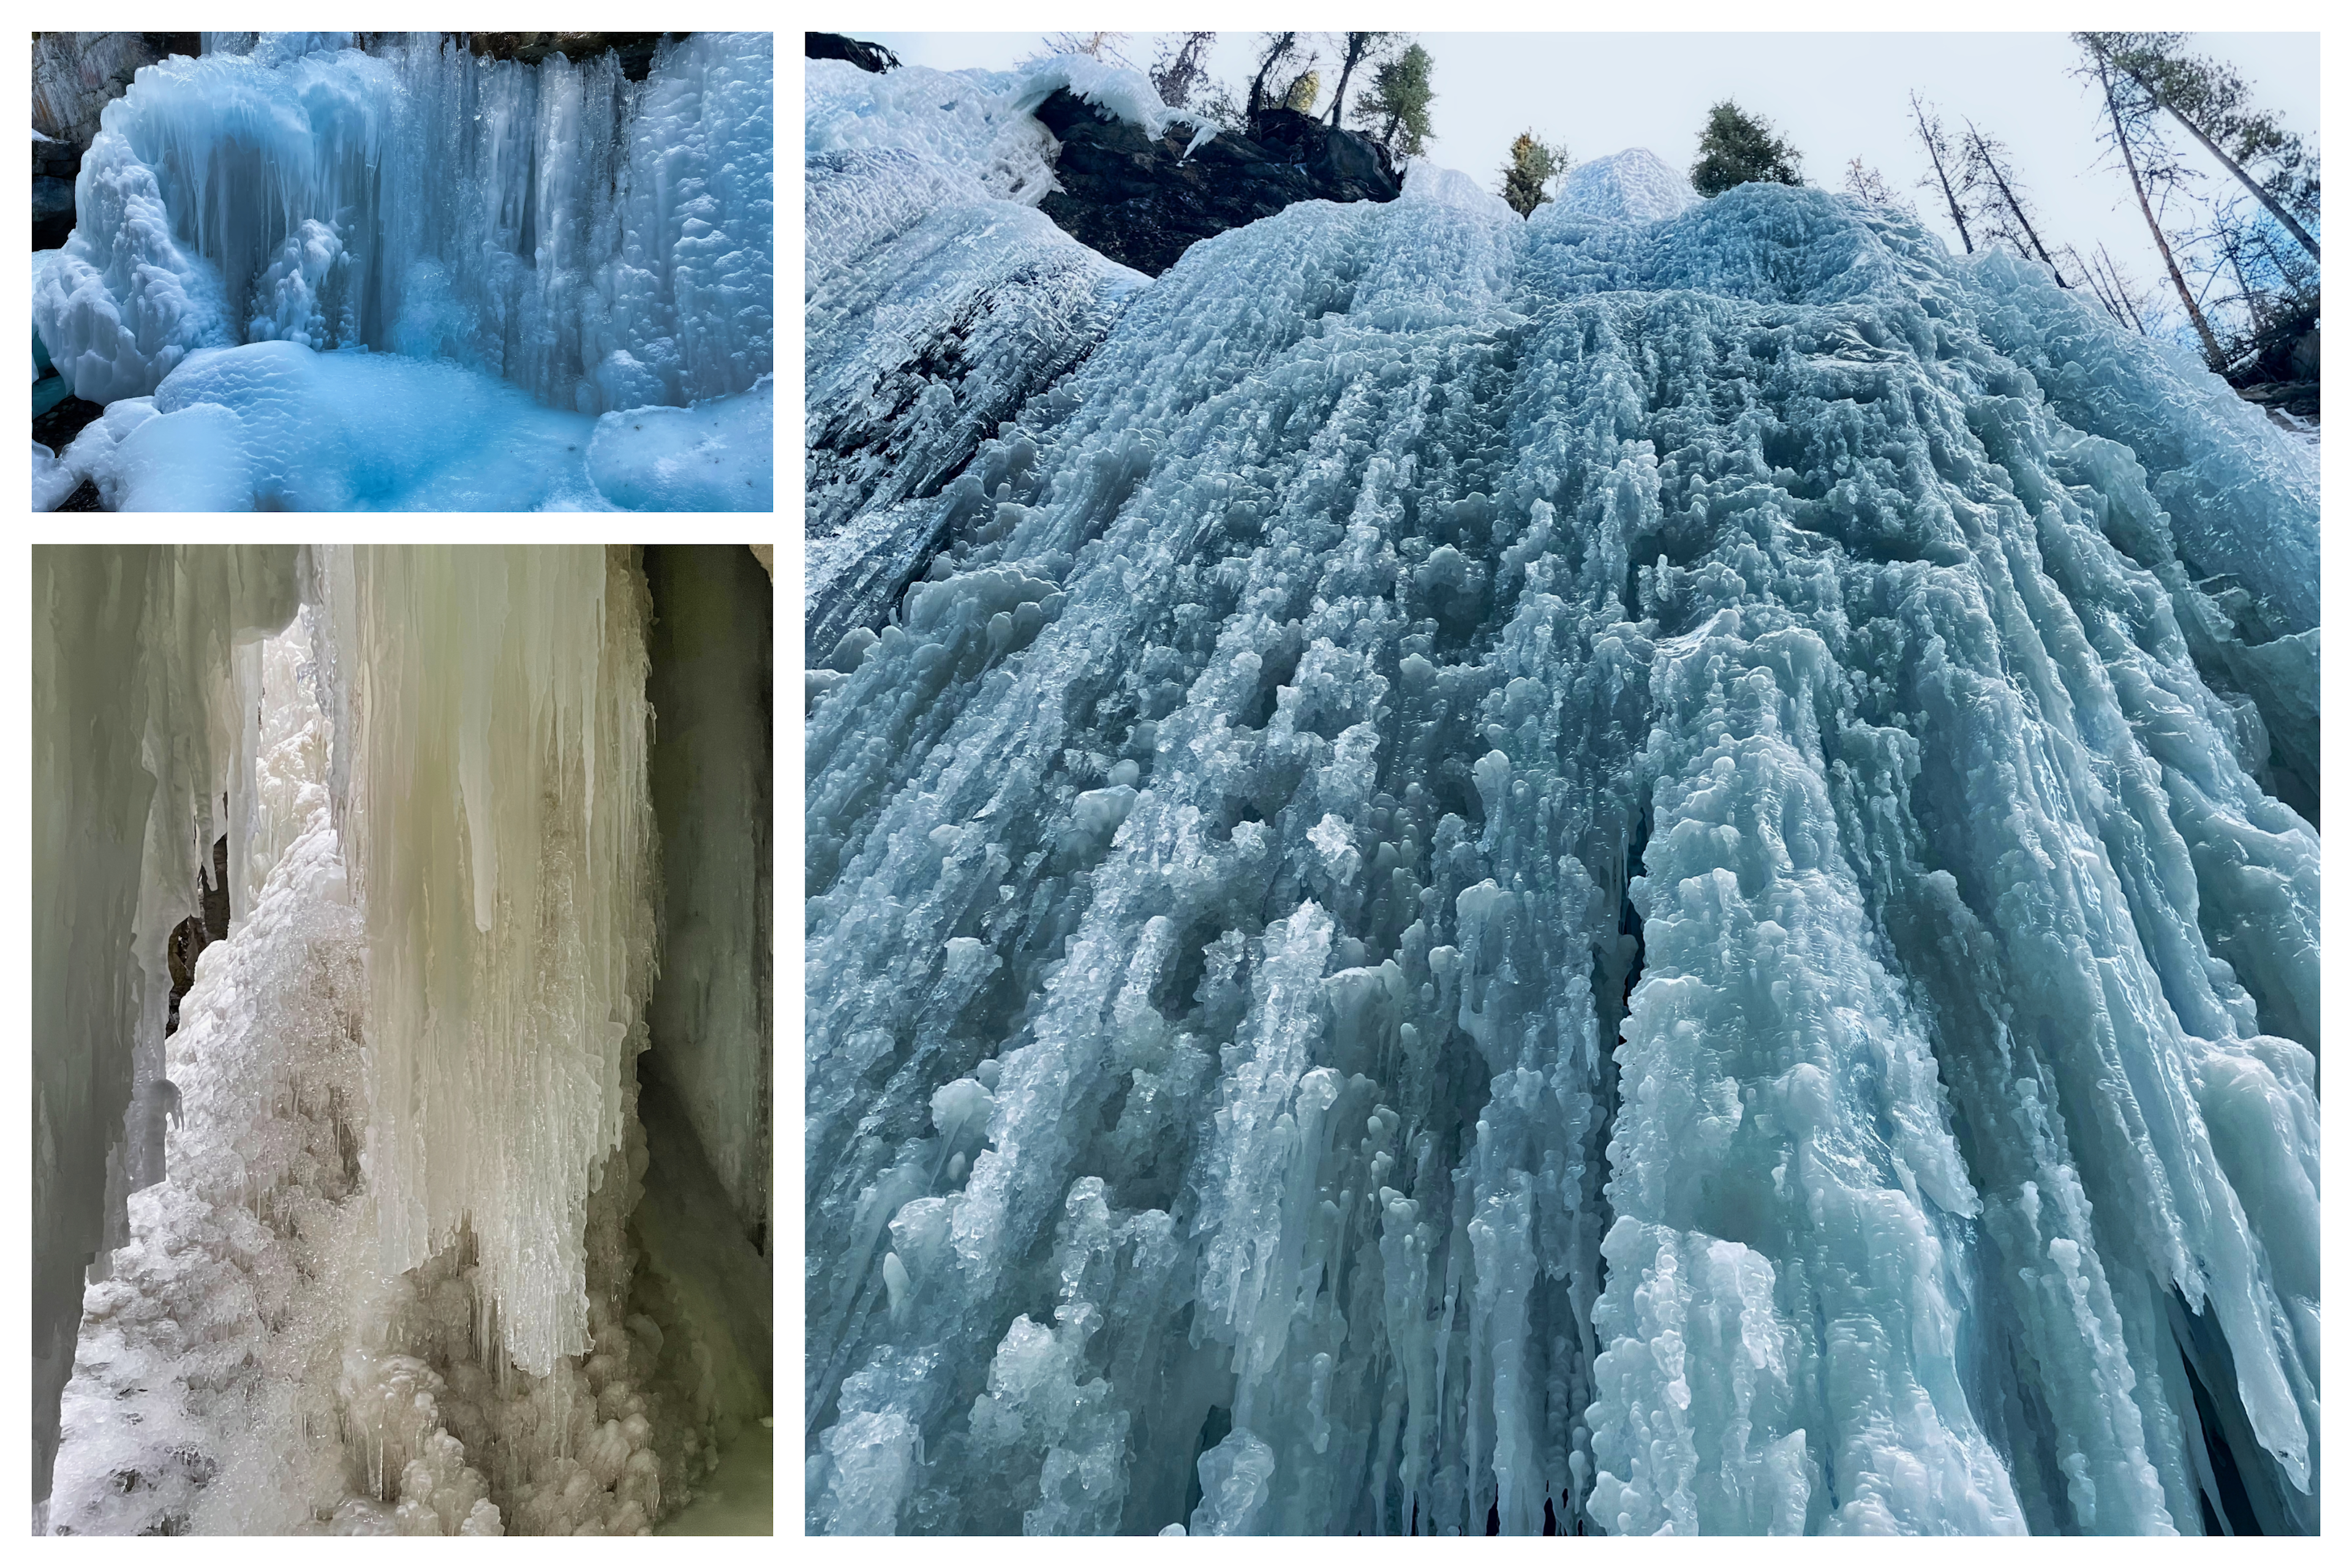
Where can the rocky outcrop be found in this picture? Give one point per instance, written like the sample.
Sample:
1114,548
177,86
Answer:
865,57
636,49
1143,201
75,76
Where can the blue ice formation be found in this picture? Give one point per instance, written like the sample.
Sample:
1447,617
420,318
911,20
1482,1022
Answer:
278,426
1649,871
602,245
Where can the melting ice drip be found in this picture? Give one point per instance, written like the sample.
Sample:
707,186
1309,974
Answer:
1611,873
384,1283
601,245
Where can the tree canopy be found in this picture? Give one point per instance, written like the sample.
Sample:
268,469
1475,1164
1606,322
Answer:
1527,177
1395,113
1738,149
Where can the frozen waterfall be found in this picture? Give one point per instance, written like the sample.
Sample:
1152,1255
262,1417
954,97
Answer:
598,245
388,1221
1650,870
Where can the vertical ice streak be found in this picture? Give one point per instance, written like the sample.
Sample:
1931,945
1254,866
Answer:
492,706
1641,871
603,243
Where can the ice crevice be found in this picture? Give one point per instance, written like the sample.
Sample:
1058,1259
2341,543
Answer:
1638,871
377,1238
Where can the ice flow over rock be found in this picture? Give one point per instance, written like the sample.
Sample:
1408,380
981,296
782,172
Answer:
1619,873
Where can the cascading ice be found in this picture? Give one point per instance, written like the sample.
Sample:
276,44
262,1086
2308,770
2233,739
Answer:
1608,873
600,243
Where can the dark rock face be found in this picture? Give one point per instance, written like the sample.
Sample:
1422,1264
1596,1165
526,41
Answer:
57,428
1142,202
636,49
865,57
53,211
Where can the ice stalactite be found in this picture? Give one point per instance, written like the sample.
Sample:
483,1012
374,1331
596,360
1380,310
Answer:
495,821
393,1273
602,243
1609,873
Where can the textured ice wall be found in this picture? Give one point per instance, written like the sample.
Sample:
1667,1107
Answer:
602,244
938,299
1578,874
293,1335
135,719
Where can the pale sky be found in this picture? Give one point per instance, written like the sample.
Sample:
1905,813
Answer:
1835,95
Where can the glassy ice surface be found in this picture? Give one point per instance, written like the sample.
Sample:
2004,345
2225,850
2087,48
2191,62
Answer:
1631,872
598,244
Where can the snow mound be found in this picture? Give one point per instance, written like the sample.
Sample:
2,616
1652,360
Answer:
1632,187
714,457
278,426
52,481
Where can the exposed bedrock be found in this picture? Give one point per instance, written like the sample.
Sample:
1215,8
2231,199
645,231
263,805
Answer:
1143,201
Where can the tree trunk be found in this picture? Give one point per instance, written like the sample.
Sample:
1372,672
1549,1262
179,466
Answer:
2179,284
1935,157
2016,208
1347,69
2285,218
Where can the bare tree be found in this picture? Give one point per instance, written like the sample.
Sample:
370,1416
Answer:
1108,47
2209,100
2002,207
1275,51
2128,134
1862,180
1358,48
1182,66
1929,126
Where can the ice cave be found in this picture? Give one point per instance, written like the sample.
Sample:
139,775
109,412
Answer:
401,271
1653,869
402,1040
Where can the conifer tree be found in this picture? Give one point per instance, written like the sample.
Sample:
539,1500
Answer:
1738,149
1533,167
1395,113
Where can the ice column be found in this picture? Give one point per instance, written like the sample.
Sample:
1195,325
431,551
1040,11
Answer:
491,730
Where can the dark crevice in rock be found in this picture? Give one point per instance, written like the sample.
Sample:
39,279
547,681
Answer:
1143,202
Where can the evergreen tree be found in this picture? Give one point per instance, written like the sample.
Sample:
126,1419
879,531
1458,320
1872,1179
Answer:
1302,93
1395,113
1738,149
1528,176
